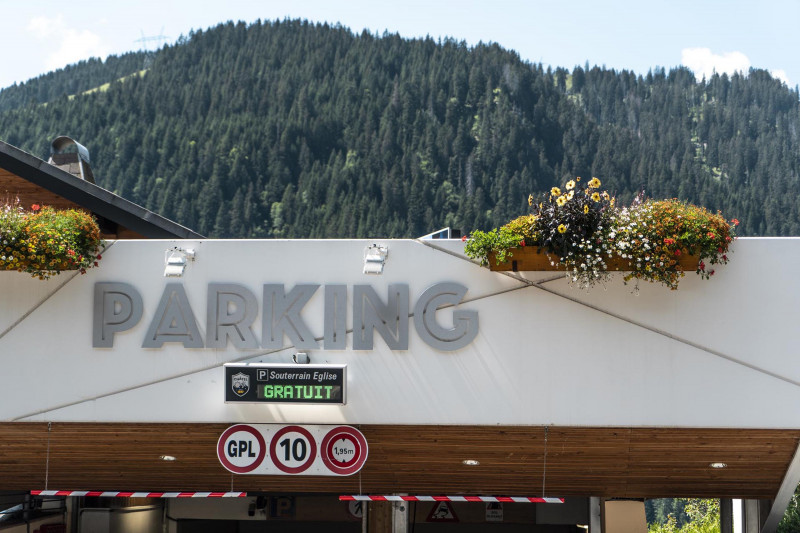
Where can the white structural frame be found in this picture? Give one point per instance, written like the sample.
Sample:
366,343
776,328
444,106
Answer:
717,353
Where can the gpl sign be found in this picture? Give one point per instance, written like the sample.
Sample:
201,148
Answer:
271,449
241,449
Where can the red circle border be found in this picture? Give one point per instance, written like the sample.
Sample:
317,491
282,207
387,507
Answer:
361,441
312,456
221,449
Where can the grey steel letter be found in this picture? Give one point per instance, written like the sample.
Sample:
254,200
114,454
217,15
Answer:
117,307
282,315
230,311
369,314
335,317
174,321
465,323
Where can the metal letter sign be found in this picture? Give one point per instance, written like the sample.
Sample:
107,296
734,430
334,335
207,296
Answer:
265,383
272,449
232,309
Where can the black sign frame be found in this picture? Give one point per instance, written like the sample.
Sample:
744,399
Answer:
285,384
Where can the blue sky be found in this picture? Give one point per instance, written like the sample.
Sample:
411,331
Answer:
39,36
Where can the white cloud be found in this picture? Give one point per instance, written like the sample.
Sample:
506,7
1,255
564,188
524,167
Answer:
67,45
780,74
43,27
704,63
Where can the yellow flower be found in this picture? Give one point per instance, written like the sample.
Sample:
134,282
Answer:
555,191
596,197
530,199
562,228
586,209
561,200
594,183
570,194
605,195
570,185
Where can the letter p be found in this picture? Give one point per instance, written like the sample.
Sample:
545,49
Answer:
117,307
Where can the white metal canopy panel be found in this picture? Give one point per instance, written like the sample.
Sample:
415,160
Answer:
717,353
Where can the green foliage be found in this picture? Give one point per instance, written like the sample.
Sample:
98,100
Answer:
71,80
659,511
46,241
790,523
499,241
703,518
293,129
527,227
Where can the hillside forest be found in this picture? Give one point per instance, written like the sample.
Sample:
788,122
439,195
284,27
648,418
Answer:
289,129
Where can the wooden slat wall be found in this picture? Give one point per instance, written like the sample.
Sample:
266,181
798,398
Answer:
608,462
13,188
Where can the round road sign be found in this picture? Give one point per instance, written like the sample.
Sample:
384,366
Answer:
344,450
293,449
241,449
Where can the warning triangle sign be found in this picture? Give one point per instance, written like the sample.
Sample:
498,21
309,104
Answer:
442,512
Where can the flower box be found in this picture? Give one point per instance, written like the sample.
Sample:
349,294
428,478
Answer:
532,258
45,241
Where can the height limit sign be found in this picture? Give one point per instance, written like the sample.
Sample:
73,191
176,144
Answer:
271,449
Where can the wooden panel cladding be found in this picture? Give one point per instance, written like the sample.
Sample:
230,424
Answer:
608,462
533,258
13,188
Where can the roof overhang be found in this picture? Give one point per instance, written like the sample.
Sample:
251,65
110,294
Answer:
97,199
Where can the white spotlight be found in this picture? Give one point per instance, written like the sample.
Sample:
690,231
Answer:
375,258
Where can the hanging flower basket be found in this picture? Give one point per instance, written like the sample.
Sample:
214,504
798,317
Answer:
579,230
534,258
45,241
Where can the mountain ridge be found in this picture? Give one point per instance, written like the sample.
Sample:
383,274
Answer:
294,129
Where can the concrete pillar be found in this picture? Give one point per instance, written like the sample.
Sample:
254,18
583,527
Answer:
595,522
754,514
725,515
400,517
379,517
764,507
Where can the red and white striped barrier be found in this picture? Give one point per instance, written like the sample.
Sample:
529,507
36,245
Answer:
119,494
487,499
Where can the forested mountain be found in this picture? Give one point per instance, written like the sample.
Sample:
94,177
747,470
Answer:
74,79
293,129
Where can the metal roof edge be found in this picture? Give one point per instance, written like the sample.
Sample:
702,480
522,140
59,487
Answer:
99,200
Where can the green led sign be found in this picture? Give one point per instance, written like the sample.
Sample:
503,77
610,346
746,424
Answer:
274,383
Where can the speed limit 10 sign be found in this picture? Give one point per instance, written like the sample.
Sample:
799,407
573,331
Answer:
272,449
